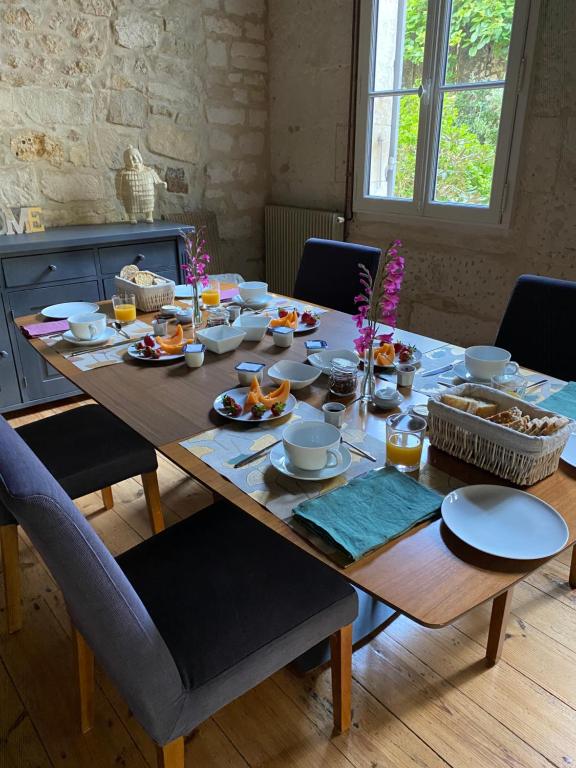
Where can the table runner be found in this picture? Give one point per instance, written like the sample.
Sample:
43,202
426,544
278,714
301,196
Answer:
110,356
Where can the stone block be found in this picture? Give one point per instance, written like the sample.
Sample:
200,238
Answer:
97,7
252,143
244,201
216,53
245,7
18,17
240,95
73,186
136,31
226,116
80,155
232,229
176,180
18,187
254,31
257,118
167,139
248,50
219,173
220,140
128,108
250,64
218,25
461,328
32,145
54,106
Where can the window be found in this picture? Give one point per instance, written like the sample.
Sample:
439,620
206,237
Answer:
440,100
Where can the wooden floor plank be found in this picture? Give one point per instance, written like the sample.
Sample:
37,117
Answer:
456,728
542,721
376,737
269,730
40,662
20,745
552,579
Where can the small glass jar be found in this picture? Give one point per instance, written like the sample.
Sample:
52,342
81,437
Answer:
217,316
343,377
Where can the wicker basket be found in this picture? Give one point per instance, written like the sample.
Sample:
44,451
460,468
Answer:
522,459
149,297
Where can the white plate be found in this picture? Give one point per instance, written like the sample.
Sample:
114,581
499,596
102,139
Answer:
108,334
280,462
64,311
300,328
259,303
415,360
504,522
162,359
461,371
569,452
240,393
323,359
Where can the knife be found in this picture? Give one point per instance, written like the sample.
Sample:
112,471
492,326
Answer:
89,350
434,371
255,455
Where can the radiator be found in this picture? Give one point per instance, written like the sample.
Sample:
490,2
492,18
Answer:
286,230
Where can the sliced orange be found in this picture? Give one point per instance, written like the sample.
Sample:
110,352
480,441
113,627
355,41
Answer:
385,354
279,395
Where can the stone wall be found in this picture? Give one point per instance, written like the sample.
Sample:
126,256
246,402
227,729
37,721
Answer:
183,80
458,278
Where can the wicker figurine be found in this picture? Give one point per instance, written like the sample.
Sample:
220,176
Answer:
136,184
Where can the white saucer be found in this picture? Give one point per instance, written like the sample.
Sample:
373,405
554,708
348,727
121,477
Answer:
63,311
280,462
462,372
259,303
71,339
388,402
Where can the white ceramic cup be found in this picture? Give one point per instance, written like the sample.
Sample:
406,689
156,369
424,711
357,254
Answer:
483,362
252,290
334,413
312,445
88,326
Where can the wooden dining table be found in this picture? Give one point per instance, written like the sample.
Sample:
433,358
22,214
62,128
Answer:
427,574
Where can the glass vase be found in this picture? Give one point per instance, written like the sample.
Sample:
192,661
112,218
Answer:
196,310
368,383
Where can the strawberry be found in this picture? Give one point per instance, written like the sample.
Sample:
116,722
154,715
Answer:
404,355
308,318
149,341
282,312
258,410
277,409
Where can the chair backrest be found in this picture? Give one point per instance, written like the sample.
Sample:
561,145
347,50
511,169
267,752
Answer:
328,273
206,219
102,603
538,323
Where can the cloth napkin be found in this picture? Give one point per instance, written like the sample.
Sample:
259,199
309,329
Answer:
36,330
369,511
562,402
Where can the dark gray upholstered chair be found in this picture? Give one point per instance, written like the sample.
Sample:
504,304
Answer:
328,273
86,449
191,618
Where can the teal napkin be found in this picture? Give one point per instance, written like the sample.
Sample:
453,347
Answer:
369,511
562,402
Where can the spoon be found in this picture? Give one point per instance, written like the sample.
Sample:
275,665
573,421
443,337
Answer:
117,327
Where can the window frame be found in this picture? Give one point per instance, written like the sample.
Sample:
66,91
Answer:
423,208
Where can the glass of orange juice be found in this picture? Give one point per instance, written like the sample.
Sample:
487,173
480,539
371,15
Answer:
124,308
404,439
211,294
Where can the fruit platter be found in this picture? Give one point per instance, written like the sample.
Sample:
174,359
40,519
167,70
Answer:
254,403
154,349
389,355
300,322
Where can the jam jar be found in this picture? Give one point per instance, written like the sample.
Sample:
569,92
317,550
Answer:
343,376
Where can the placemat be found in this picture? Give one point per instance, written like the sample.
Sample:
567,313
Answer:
563,401
90,360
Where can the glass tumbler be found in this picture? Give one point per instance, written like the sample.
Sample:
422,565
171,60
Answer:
404,440
511,383
124,308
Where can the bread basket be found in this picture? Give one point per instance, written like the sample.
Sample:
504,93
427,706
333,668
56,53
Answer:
514,456
149,298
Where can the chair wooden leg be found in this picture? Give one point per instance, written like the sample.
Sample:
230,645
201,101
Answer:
572,576
498,623
172,755
85,670
107,497
12,578
152,494
341,665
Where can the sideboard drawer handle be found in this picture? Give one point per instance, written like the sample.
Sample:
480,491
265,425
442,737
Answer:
3,353
140,257
52,267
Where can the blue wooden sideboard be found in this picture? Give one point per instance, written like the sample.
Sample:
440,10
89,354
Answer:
67,264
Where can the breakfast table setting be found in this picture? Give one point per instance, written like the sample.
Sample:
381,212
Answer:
404,461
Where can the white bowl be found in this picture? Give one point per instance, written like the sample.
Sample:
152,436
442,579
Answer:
298,374
387,398
220,338
323,359
253,325
252,291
